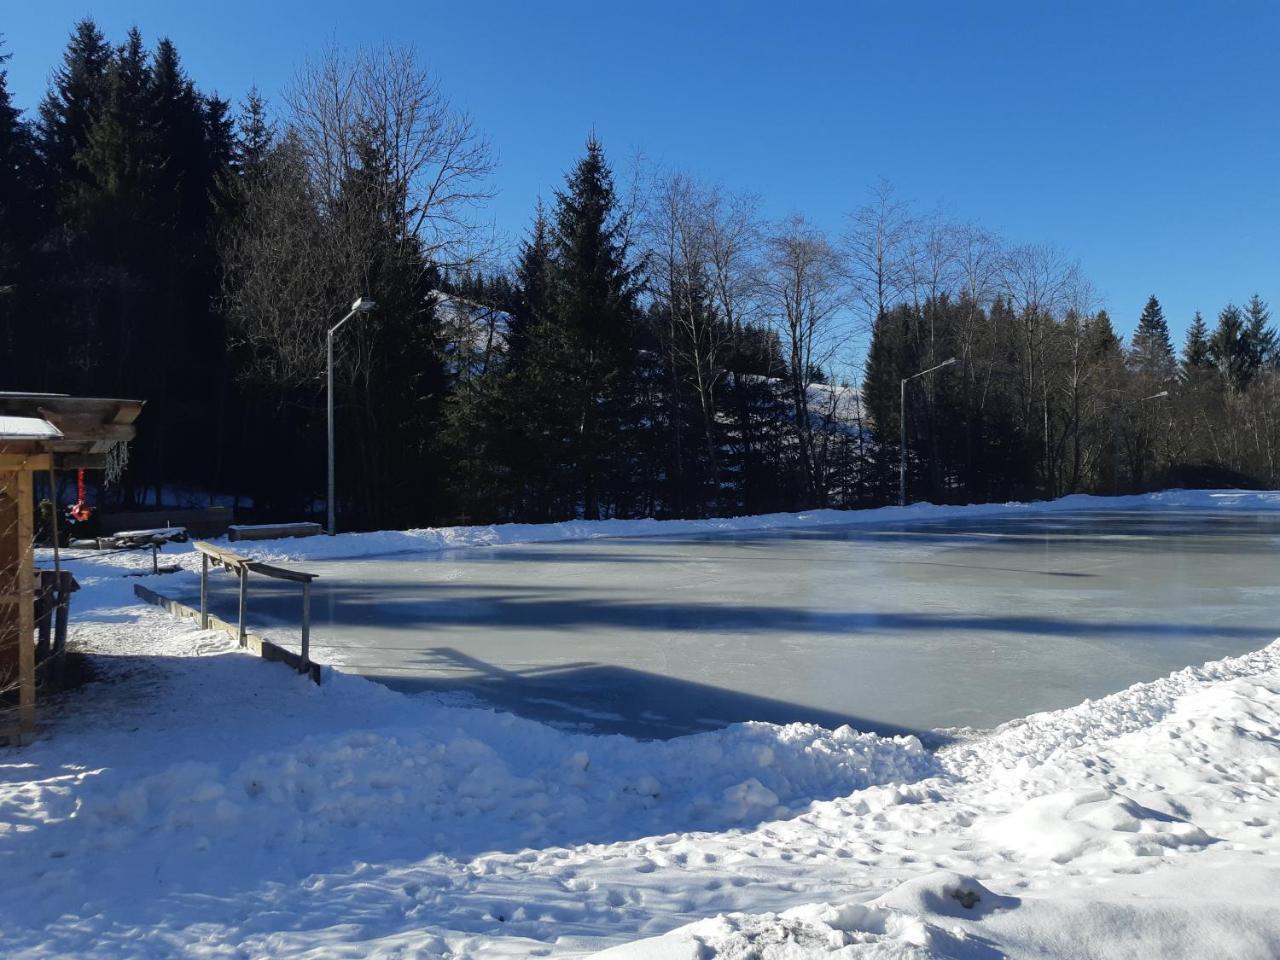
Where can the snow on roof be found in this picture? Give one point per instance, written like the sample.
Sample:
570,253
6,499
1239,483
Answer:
28,428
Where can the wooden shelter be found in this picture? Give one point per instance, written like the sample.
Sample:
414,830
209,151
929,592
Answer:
41,433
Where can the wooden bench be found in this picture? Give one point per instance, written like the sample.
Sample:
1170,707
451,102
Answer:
272,531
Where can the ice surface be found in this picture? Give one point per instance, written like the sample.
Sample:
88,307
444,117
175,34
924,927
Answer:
892,627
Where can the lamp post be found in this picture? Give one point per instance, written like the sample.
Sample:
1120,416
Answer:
1115,435
362,305
902,421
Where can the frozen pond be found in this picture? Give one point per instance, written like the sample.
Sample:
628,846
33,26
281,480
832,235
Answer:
892,627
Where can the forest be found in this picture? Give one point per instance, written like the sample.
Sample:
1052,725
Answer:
653,346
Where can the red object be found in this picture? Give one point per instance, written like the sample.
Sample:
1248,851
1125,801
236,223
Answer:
80,511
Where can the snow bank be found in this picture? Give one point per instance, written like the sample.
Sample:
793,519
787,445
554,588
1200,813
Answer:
470,781
434,539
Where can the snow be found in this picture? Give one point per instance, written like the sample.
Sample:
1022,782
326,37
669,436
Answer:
197,802
386,542
27,428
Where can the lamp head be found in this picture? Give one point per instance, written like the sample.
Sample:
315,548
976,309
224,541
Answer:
362,305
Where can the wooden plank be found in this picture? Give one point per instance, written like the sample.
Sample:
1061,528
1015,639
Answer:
77,431
10,557
26,609
80,461
261,646
25,461
232,561
280,573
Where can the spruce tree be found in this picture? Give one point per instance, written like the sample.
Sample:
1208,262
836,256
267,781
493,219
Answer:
17,187
254,135
1151,349
586,344
1228,348
1260,337
18,229
73,102
1195,352
532,278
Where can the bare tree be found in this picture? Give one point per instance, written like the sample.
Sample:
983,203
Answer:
804,286
1037,280
876,248
699,251
374,182
384,104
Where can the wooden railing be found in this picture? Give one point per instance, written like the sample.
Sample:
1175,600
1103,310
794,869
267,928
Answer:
242,567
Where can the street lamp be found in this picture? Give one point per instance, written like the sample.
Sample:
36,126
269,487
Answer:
1115,435
362,305
902,419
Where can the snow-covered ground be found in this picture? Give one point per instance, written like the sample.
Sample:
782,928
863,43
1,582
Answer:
196,802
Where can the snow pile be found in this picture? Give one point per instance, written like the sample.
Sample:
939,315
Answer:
1164,843
473,781
890,927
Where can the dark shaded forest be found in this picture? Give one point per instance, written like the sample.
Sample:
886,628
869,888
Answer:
653,347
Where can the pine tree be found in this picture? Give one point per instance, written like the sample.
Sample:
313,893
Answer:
1228,348
1195,352
532,278
72,104
254,135
1151,349
18,228
1259,336
17,187
585,347
1103,341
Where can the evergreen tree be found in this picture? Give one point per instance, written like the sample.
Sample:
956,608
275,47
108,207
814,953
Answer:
1151,349
19,226
532,278
585,346
1228,347
1259,336
1101,337
254,135
1195,352
72,104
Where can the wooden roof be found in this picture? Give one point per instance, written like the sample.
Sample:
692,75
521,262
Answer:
86,427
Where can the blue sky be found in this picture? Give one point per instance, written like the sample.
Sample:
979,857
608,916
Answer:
1141,138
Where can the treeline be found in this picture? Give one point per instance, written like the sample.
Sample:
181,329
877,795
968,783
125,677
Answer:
655,348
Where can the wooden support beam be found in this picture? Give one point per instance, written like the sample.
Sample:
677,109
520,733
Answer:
26,606
261,646
20,462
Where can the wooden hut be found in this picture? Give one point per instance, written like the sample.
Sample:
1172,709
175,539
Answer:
41,433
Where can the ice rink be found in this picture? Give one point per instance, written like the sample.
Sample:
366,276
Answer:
892,627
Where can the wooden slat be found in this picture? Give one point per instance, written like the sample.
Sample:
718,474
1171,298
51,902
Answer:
234,561
228,559
280,573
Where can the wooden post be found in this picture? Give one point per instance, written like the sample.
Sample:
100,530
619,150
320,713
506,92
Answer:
26,605
204,591
244,593
306,626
